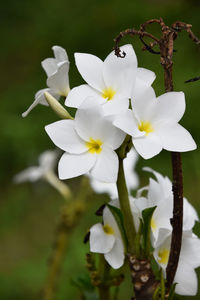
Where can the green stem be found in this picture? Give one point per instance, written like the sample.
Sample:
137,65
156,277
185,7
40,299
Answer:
125,208
104,270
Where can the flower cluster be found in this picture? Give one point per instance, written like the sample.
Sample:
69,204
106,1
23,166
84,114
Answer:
118,104
104,116
104,238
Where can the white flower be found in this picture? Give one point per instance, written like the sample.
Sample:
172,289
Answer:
57,70
106,239
47,162
160,195
185,277
110,82
89,141
153,123
130,175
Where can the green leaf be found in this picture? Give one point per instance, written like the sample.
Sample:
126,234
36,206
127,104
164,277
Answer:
83,282
146,229
120,222
172,291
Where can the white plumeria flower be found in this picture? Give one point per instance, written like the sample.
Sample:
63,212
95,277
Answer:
106,239
89,141
130,175
110,82
153,123
57,70
45,170
160,195
186,278
47,162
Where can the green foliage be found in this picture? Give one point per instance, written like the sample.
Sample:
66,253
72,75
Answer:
146,229
119,220
83,283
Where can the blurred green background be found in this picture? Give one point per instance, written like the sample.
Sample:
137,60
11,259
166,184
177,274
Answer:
29,212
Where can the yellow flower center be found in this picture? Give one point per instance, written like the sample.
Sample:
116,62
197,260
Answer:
94,146
108,229
163,256
145,126
108,93
153,224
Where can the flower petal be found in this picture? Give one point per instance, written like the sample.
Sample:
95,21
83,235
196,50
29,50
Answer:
40,99
72,165
101,128
60,54
106,167
78,94
90,67
143,103
147,146
101,187
145,76
120,73
189,215
100,242
116,106
186,279
59,81
170,107
116,256
64,136
30,174
50,66
128,123
174,137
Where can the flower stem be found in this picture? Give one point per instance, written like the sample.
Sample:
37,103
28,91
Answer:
104,288
125,208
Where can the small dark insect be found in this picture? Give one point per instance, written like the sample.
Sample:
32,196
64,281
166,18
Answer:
193,79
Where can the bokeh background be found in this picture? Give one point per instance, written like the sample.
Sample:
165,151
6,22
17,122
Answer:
29,212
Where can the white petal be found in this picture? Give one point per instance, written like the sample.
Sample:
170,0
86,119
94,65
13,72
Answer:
109,219
164,182
59,81
129,165
116,256
50,66
175,138
30,174
90,67
186,279
101,187
120,73
146,76
78,94
143,103
128,123
106,167
189,215
190,249
116,106
39,99
170,107
147,146
72,165
47,160
100,242
89,123
60,54
64,136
